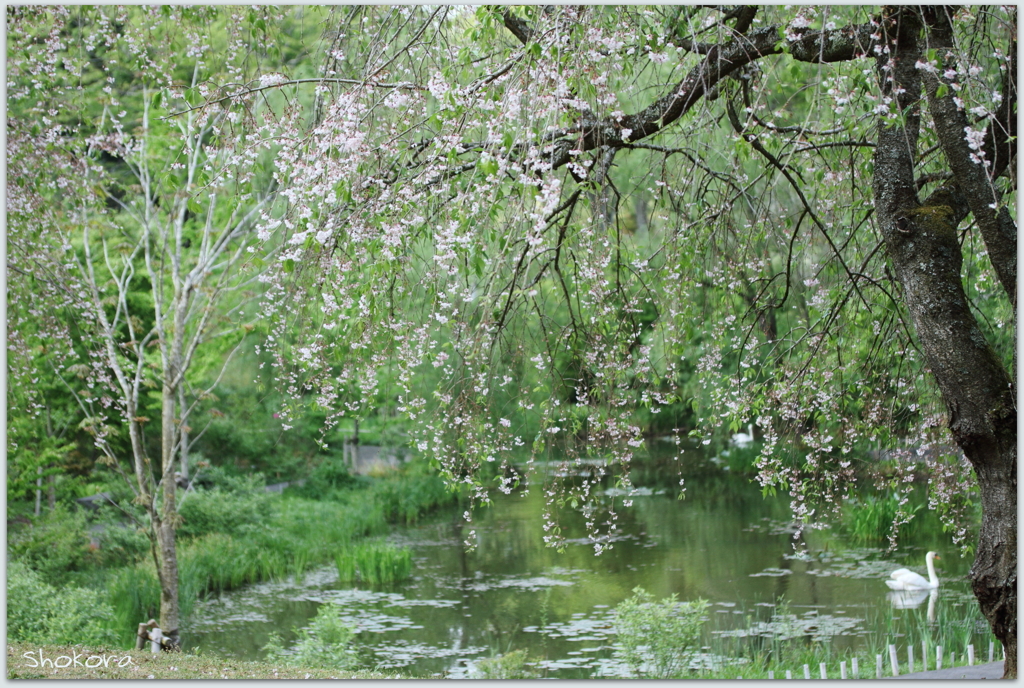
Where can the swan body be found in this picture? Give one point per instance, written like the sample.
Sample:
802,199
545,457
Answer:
905,579
743,439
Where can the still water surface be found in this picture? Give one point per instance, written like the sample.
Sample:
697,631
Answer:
724,543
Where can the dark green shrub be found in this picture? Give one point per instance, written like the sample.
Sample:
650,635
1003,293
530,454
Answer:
217,511
122,545
41,613
330,474
228,480
56,544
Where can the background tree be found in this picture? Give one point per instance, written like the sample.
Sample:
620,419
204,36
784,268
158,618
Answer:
462,208
128,230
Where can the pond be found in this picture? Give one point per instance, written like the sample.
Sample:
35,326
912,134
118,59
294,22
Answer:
724,543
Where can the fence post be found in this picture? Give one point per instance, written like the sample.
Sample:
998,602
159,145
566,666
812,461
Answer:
856,668
771,674
938,657
910,658
970,655
952,659
842,669
878,666
155,637
789,675
894,660
821,667
924,656
807,671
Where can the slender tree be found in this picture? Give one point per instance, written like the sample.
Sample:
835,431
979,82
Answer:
133,229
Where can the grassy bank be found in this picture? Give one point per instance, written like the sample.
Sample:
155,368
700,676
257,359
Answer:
136,664
297,535
64,589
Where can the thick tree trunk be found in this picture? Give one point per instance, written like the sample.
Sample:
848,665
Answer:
923,246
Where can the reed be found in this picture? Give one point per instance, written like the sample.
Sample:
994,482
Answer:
374,563
955,626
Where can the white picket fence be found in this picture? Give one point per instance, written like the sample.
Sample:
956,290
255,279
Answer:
894,663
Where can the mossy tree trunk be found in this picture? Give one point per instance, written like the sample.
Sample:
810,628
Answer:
925,254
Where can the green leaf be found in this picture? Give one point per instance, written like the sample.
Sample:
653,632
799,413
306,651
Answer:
288,265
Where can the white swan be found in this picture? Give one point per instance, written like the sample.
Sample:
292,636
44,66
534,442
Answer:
743,439
905,579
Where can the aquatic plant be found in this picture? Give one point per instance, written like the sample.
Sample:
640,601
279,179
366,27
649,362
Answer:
655,636
326,642
376,563
871,518
511,665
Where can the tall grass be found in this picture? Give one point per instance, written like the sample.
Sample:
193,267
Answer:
299,535
376,563
870,518
955,626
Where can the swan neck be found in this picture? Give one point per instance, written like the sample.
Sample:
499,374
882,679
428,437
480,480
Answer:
933,579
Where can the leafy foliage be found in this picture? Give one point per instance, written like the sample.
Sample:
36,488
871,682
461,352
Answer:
38,612
53,546
656,637
324,643
218,511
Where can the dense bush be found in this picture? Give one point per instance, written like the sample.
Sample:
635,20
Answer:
121,545
218,511
330,474
56,544
656,636
41,613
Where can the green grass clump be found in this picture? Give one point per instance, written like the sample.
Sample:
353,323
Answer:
407,498
38,612
870,518
375,563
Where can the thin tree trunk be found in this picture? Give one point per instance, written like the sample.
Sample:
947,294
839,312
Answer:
183,430
165,526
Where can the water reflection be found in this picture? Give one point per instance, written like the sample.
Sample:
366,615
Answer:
724,543
912,599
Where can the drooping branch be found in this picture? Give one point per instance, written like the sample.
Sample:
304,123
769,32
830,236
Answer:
970,163
721,61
